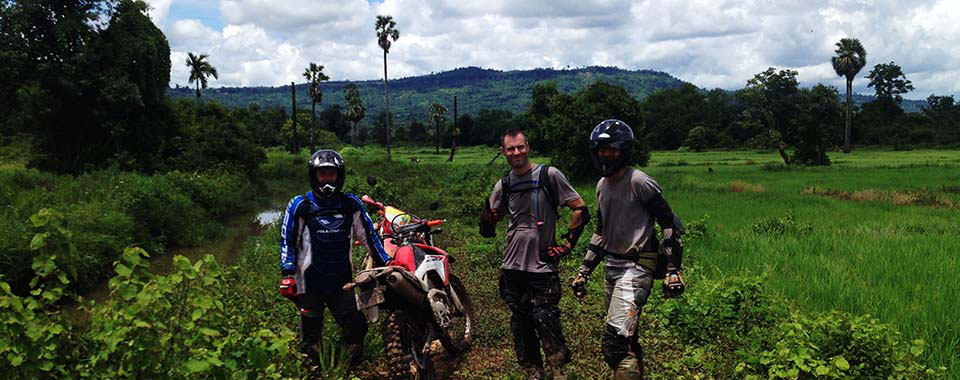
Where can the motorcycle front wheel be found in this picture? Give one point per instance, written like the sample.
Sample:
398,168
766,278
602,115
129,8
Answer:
458,335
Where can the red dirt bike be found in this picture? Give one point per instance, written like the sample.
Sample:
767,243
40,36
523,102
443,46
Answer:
419,297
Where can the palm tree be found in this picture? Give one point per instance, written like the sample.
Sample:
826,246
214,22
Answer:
438,114
355,108
851,57
314,74
200,69
386,30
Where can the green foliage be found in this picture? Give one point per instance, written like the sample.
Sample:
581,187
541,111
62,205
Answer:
200,70
817,125
173,326
109,210
564,131
698,139
837,346
108,104
782,225
850,58
742,332
671,114
476,89
889,82
34,340
720,311
168,327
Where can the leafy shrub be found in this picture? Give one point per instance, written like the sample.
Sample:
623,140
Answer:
734,329
782,225
165,327
109,210
33,338
837,345
697,229
699,138
720,311
173,327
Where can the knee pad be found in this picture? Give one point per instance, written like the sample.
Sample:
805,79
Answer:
314,313
629,368
545,314
615,347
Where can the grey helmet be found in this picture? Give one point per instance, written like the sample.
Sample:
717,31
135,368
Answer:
326,158
615,134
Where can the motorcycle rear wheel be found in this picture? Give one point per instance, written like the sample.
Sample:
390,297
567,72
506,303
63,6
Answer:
459,334
406,358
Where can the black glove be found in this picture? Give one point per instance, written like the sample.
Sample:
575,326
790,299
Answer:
673,285
490,216
579,286
488,221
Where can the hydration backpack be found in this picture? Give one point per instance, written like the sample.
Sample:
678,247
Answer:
507,188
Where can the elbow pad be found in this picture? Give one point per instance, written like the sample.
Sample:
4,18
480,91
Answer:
573,235
671,249
590,260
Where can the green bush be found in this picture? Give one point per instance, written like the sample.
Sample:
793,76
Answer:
110,210
721,311
163,327
734,329
837,346
782,225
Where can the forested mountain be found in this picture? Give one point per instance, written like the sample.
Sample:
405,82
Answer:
476,89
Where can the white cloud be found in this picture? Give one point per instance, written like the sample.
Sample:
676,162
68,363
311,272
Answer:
710,43
158,10
193,32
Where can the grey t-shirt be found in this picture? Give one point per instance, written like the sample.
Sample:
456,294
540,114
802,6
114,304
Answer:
533,220
627,224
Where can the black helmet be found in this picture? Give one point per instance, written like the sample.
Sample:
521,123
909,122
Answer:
326,159
615,134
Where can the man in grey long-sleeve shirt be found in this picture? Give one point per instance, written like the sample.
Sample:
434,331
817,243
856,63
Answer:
628,202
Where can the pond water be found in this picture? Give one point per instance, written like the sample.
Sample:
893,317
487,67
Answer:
265,218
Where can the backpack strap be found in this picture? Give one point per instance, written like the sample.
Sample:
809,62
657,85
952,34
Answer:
505,191
506,188
548,190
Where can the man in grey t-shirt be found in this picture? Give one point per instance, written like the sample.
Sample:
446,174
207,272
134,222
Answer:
529,283
628,202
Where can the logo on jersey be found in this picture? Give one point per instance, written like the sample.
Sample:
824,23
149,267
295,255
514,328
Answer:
331,222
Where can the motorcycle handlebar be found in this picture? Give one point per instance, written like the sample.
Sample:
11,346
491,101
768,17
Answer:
435,222
366,199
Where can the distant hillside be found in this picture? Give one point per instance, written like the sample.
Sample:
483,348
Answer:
907,105
475,88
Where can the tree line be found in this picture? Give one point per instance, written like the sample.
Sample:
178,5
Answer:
87,80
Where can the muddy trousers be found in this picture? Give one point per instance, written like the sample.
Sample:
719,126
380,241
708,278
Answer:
626,291
535,320
343,306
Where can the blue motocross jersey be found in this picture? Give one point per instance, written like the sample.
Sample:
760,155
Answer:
316,239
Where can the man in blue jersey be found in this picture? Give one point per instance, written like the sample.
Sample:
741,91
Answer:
316,238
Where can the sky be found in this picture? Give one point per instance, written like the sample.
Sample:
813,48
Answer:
710,43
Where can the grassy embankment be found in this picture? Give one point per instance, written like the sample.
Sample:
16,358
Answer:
108,210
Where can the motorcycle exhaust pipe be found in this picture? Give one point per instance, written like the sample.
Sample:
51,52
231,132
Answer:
407,288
